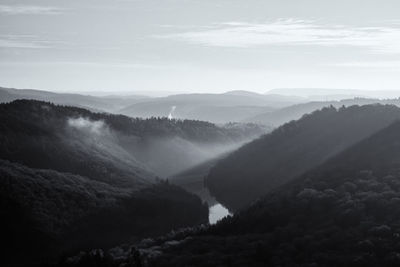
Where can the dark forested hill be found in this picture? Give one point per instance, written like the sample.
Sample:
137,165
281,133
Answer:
66,139
45,213
292,149
344,212
72,179
110,147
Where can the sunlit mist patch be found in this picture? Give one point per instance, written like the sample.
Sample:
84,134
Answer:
95,127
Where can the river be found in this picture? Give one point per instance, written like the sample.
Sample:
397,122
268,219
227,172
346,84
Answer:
217,212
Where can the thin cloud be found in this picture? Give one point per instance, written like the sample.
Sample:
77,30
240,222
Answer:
394,65
22,41
29,10
293,32
121,65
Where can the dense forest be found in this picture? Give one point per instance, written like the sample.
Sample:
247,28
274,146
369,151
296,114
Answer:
276,158
109,147
199,133
73,179
46,213
343,212
79,189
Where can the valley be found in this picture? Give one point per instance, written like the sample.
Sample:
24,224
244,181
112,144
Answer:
76,181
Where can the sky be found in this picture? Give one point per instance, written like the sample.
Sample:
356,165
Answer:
213,46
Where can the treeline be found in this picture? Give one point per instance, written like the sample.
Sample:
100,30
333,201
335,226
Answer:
110,148
34,112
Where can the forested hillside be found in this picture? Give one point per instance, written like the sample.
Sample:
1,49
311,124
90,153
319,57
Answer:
45,213
66,139
73,179
110,147
344,212
276,158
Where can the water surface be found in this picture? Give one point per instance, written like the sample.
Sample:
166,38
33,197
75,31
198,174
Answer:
217,212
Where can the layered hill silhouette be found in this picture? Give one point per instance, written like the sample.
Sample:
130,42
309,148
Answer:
286,114
94,103
232,106
276,158
343,212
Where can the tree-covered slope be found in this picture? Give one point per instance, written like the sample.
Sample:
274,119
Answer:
106,147
345,212
276,158
45,213
66,139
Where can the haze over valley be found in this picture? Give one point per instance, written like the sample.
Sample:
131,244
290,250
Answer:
152,133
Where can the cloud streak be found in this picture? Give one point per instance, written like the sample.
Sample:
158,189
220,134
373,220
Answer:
29,10
293,32
24,41
387,65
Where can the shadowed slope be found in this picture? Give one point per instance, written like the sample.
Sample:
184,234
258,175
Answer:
276,158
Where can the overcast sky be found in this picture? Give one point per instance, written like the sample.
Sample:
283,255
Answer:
199,45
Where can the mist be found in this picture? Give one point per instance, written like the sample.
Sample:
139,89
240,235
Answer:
162,156
198,133
169,156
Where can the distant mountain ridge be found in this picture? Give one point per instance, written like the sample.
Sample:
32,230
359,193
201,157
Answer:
232,106
95,103
218,108
286,114
334,93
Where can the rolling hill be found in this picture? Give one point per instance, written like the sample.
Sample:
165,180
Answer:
295,112
110,147
43,135
94,103
276,158
218,108
318,94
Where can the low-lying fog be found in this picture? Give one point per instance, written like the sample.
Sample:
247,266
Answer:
163,156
